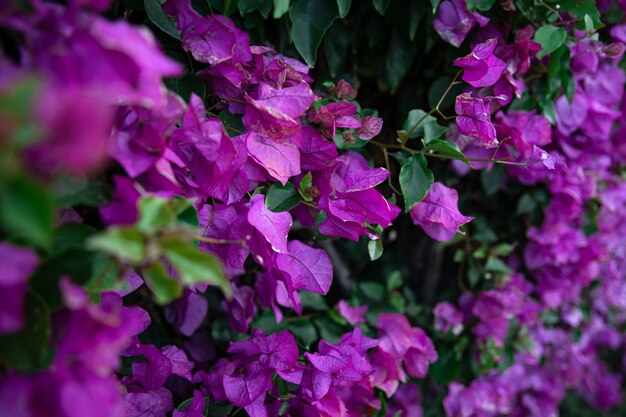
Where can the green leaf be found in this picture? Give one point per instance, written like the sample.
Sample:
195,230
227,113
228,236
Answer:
483,5
416,14
336,45
421,124
313,301
125,243
415,181
304,331
248,6
344,7
551,38
26,210
28,349
310,20
283,408
435,4
399,58
195,266
281,197
305,186
280,8
375,249
381,6
447,148
165,288
495,264
154,214
79,190
70,236
492,179
155,13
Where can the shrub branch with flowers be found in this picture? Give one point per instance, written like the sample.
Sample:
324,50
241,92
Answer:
199,218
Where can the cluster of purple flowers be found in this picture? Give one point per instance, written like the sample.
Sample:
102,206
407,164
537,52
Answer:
101,103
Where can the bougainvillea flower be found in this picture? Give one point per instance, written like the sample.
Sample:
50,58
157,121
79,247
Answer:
281,160
335,115
370,127
448,318
211,39
474,119
123,208
481,68
241,308
273,226
438,213
453,21
275,113
403,342
525,129
354,315
315,151
310,269
16,266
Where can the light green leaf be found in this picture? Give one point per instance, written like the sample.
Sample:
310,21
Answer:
421,124
280,8
165,288
125,243
551,38
196,266
381,6
344,7
375,249
310,20
415,181
159,18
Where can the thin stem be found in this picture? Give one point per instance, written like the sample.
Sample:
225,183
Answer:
436,108
241,242
385,153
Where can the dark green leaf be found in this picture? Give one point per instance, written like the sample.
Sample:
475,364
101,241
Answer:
248,6
164,287
336,45
313,301
551,38
415,181
399,58
305,186
344,7
125,243
78,190
26,210
492,179
310,20
194,265
70,236
435,4
155,13
483,5
281,197
28,349
381,6
447,148
416,13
